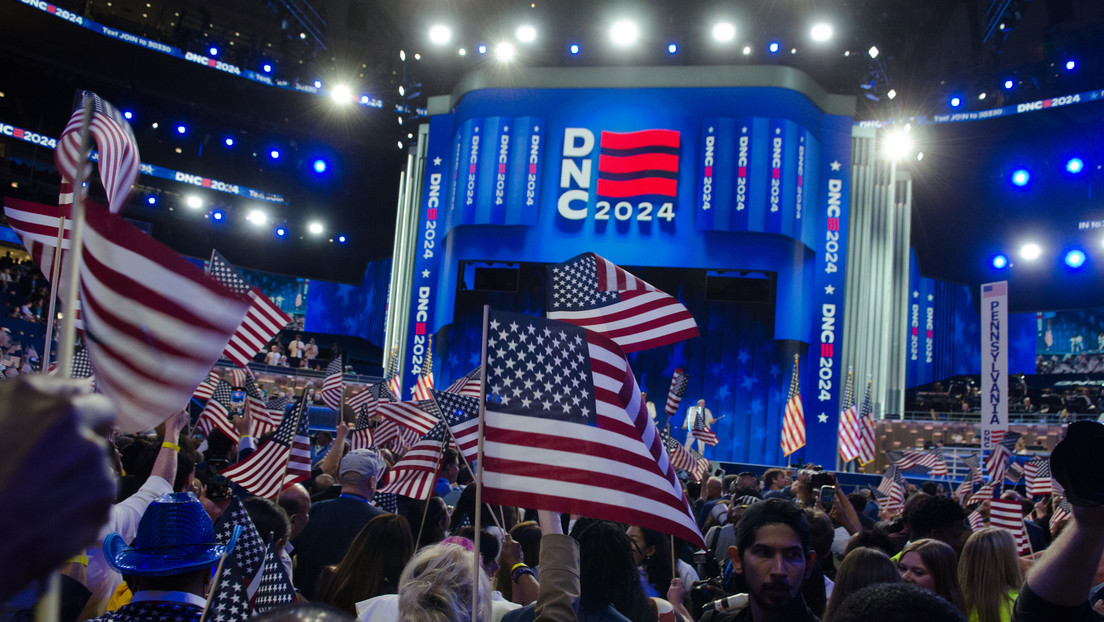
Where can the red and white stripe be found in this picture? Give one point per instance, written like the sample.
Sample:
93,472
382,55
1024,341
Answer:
850,433
118,151
409,415
1008,514
207,387
793,418
281,461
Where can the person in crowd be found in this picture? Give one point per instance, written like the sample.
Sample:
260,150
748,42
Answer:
652,557
710,494
296,349
323,443
932,565
296,502
698,417
875,538
989,574
429,521
861,567
940,518
438,584
527,536
273,525
169,565
489,556
273,356
777,483
819,585
311,351
447,474
372,565
899,602
747,481
334,523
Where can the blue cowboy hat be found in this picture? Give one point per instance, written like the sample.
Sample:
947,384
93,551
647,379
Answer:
175,536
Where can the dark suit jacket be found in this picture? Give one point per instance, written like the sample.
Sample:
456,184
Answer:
333,525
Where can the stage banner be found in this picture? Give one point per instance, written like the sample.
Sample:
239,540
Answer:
427,248
994,361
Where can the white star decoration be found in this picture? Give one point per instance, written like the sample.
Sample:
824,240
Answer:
543,373
829,289
822,417
835,165
436,161
425,273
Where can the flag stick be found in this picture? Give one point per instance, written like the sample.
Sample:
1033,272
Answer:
479,457
51,314
214,588
674,560
68,330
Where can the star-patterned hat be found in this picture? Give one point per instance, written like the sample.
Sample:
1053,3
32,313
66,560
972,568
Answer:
175,536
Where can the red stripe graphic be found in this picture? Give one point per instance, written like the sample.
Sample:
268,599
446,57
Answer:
638,163
640,140
637,187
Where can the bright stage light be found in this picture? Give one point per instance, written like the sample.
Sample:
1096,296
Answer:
315,228
317,84
1000,262
319,166
341,239
267,67
891,94
773,47
1075,258
180,129
216,215
724,32
821,32
281,232
897,145
1021,177
505,51
873,52
1031,251
981,96
274,154
574,49
672,48
526,33
152,200
229,141
1075,165
193,201
482,49
342,94
128,114
624,33
747,50
1008,84
1071,65
440,34
257,217
956,101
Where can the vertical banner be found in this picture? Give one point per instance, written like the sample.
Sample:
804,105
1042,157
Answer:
715,205
428,246
776,197
994,360
822,390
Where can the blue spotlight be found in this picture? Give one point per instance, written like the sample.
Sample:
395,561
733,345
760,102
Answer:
281,232
956,101
1071,65
152,200
180,129
773,47
217,215
341,239
128,114
482,49
1000,262
1075,165
274,154
229,142
317,84
267,67
1008,84
574,49
319,166
213,51
1021,177
1075,259
672,48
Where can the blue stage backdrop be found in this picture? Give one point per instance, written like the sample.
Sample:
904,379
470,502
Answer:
682,185
343,309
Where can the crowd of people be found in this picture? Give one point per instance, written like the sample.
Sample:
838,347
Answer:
774,549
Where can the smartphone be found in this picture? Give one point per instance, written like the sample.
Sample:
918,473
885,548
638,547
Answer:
827,497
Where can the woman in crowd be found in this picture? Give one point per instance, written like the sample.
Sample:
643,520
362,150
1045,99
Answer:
652,556
433,526
932,565
437,585
372,565
989,572
860,568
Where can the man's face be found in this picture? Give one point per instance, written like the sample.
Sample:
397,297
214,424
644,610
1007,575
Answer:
775,566
747,481
701,403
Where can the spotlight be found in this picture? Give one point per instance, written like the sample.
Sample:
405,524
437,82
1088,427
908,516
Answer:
897,145
526,33
919,156
1021,177
1075,258
402,90
1000,262
315,228
400,144
213,51
891,94
724,32
152,200
317,84
341,94
1031,251
574,49
216,215
267,67
672,48
1071,65
505,51
981,96
257,217
440,34
319,166
773,47
1075,165
156,125
180,129
624,33
402,55
462,52
229,142
747,50
281,232
1008,84
193,201
341,239
873,52
482,49
821,32
956,101
274,154
128,114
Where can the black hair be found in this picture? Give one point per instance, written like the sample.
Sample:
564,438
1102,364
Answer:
268,518
607,575
875,538
932,514
900,602
768,512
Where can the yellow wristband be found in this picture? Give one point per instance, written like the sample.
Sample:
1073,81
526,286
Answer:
519,565
172,446
78,559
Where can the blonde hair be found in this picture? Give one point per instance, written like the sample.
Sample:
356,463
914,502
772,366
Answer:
436,586
988,570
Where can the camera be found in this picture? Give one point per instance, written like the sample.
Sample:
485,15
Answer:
218,488
818,477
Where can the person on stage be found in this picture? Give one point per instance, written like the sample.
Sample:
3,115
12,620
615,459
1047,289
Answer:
697,418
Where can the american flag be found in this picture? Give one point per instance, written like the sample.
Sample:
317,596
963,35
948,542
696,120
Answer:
701,466
216,413
700,430
118,151
155,324
230,602
793,420
250,549
940,468
867,447
977,521
394,378
263,420
590,292
850,433
674,396
1014,472
369,396
679,455
908,458
333,387
1004,443
424,385
386,501
570,433
1037,477
361,437
387,433
207,387
1008,514
82,367
415,474
964,490
974,464
983,494
641,163
275,589
1062,513
461,412
467,385
893,487
414,415
276,407
282,460
261,323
